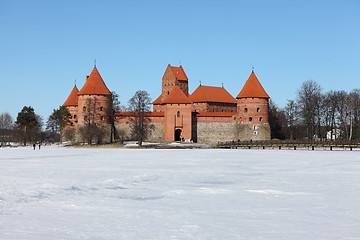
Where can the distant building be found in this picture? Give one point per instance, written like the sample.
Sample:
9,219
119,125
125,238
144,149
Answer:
208,115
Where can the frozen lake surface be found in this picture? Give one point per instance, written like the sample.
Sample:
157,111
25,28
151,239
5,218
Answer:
69,193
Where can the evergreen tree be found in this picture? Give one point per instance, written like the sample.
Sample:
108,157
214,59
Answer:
29,123
58,120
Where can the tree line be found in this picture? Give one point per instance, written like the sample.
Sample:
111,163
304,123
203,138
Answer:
28,126
317,115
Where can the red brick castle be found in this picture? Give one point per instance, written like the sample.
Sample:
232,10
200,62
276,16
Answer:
208,115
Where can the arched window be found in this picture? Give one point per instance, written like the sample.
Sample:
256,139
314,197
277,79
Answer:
250,119
245,110
258,110
178,114
260,119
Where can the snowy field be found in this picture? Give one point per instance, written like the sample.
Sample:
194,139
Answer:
68,193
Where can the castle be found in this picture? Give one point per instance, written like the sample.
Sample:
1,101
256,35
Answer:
208,115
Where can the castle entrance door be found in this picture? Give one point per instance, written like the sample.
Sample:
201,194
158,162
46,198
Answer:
177,135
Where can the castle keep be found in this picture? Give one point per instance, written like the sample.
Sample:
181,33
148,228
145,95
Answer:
208,115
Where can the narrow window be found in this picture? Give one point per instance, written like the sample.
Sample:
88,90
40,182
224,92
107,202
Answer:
260,119
250,119
101,108
178,114
245,110
258,109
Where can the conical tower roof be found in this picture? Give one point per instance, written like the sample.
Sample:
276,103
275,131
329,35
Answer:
253,89
72,99
94,85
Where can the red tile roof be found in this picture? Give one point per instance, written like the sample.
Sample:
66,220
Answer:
253,88
212,94
157,101
94,85
72,99
215,114
132,114
176,96
179,73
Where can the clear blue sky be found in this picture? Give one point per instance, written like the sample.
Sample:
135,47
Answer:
46,45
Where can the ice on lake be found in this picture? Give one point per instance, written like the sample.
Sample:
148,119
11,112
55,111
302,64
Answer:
75,193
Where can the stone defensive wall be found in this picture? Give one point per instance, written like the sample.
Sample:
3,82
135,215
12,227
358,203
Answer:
123,119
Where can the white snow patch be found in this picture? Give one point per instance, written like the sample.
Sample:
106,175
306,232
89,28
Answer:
69,193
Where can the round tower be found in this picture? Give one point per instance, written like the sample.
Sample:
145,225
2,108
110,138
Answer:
94,101
253,111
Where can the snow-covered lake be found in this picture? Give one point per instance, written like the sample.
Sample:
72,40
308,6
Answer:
69,193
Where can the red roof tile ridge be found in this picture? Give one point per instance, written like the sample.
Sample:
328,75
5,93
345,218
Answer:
176,96
179,72
212,94
157,101
216,114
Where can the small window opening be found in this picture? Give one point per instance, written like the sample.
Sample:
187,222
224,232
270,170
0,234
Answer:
258,110
250,119
245,110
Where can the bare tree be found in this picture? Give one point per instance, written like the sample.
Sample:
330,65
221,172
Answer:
115,108
140,124
292,117
330,103
343,113
277,121
309,102
354,105
6,123
89,130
